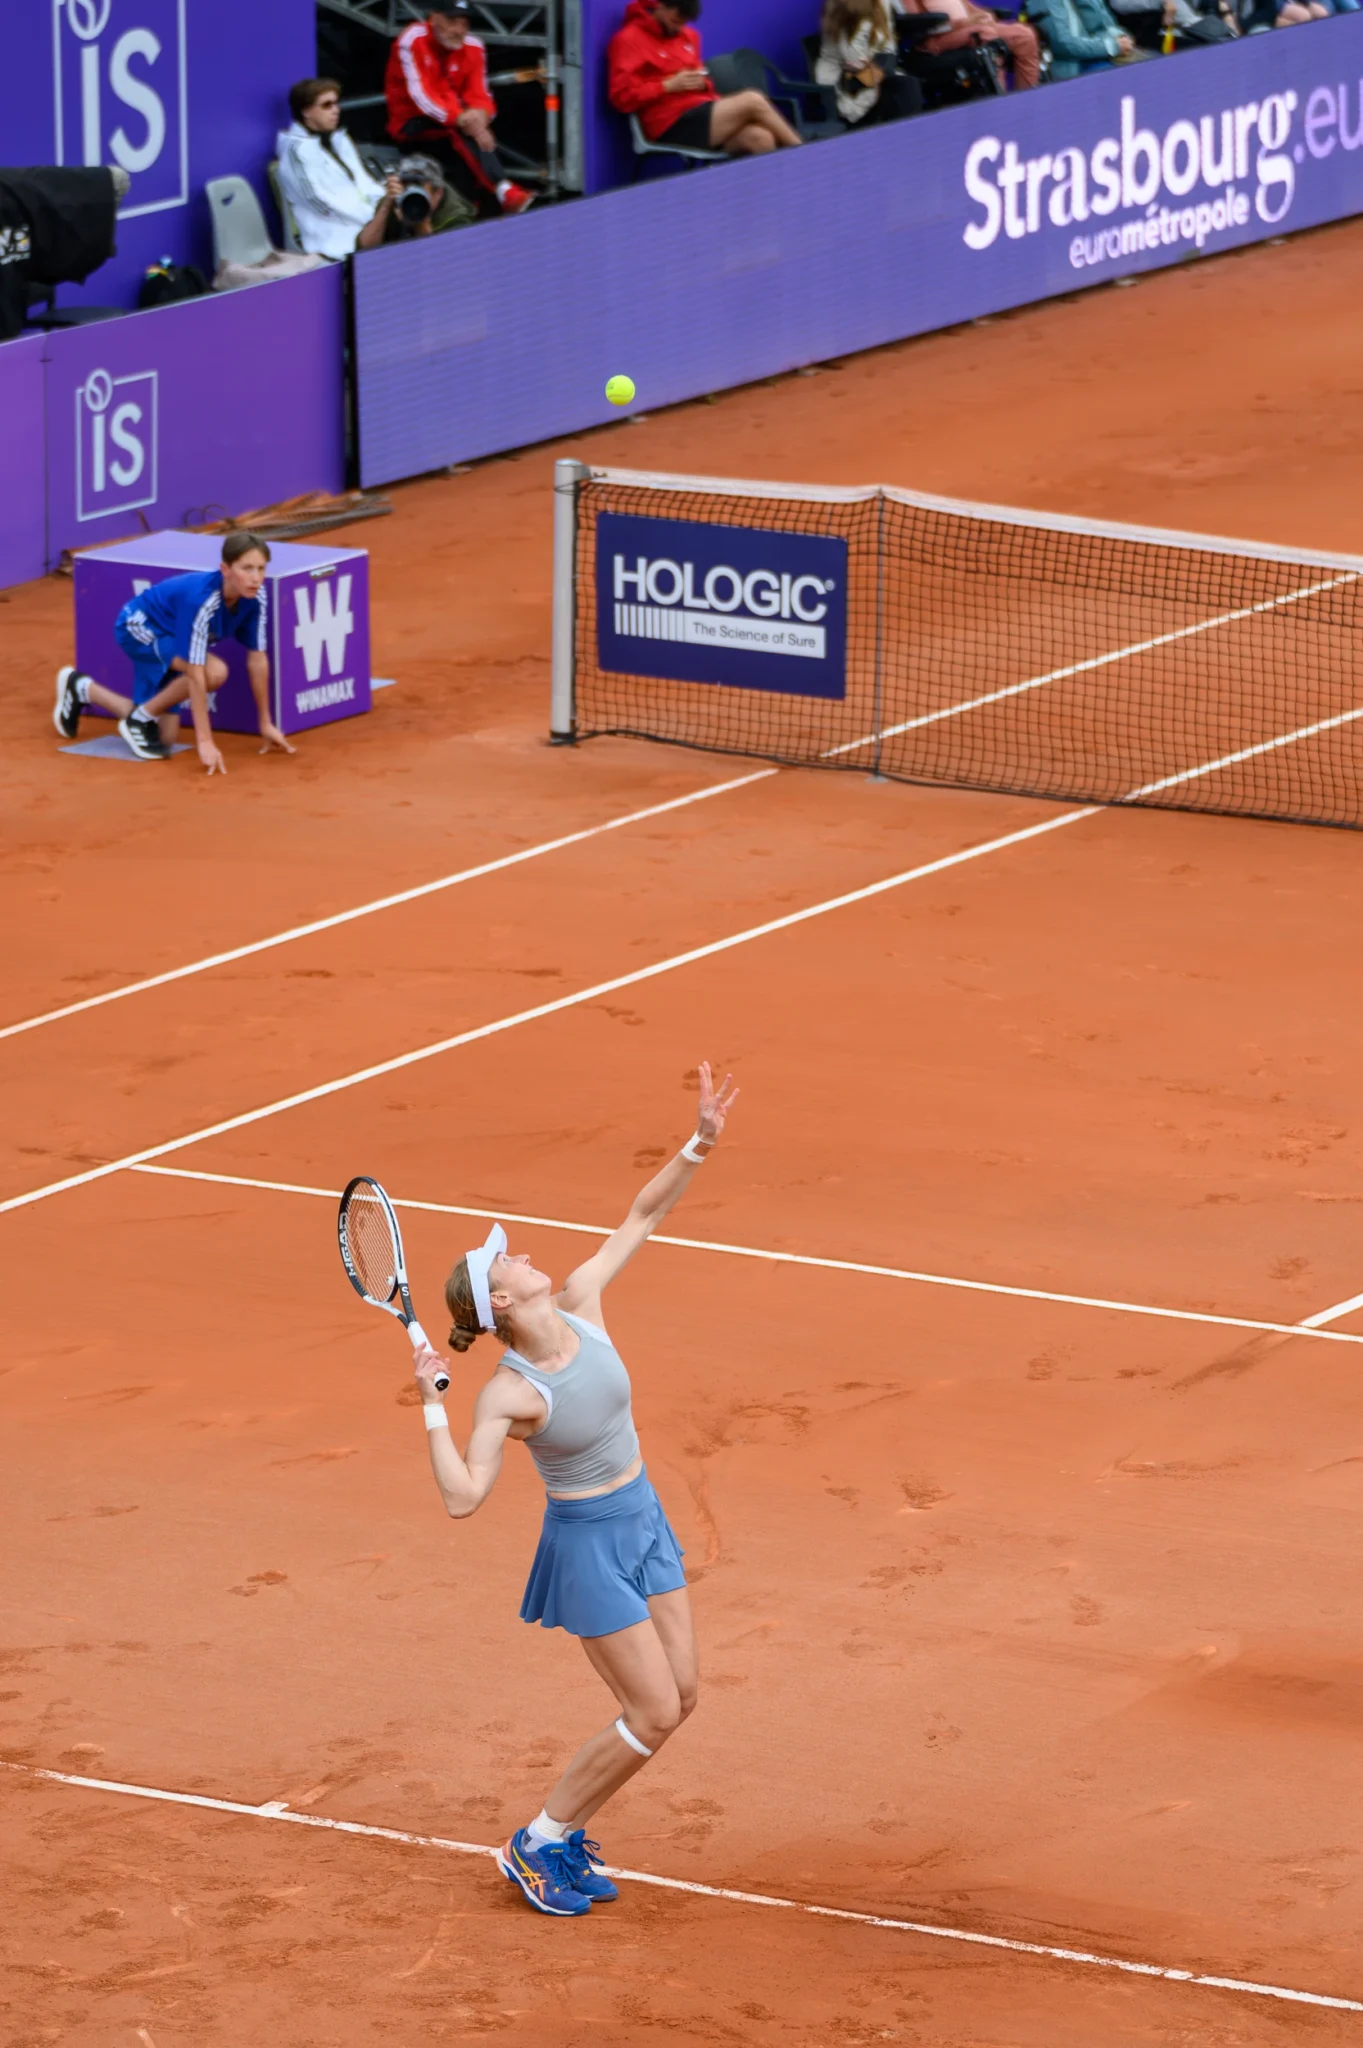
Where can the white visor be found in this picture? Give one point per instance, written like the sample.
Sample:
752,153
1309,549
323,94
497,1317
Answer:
478,1262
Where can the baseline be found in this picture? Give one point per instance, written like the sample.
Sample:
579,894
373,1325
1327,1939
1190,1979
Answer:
413,895
1309,1327
549,1009
278,1810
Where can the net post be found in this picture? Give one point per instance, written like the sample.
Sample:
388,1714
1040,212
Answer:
568,478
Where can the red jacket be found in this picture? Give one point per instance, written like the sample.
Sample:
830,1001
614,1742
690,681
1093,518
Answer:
640,57
433,85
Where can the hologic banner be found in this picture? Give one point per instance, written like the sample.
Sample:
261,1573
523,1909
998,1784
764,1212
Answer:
505,335
743,607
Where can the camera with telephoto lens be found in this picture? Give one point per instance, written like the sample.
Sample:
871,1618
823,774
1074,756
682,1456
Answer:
416,174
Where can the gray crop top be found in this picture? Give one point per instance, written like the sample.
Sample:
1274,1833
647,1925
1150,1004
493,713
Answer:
590,1437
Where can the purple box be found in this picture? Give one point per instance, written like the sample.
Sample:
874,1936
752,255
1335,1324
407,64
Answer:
318,602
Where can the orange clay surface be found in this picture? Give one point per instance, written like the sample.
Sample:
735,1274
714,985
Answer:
1017,1617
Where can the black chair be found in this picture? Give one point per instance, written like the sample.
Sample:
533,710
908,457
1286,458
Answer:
52,317
662,147
811,107
947,76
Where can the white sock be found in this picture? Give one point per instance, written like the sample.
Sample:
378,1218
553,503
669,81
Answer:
503,188
143,716
542,1830
82,686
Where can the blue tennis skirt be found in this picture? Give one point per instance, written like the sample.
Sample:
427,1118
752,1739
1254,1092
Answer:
600,1561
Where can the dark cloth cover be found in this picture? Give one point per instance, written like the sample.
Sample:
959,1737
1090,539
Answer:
56,226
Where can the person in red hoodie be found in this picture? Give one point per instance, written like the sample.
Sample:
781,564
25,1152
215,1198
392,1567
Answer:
656,72
438,101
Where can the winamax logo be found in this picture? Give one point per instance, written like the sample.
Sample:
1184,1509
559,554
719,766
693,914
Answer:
119,72
116,444
762,612
324,623
1215,169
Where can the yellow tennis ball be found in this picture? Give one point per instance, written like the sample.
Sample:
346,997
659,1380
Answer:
620,390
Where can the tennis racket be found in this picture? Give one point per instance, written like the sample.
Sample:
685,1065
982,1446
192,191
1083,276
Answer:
371,1252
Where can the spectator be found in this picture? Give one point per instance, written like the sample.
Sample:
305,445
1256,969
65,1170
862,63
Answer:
857,57
1082,35
1297,11
656,72
973,26
428,205
438,101
336,205
167,631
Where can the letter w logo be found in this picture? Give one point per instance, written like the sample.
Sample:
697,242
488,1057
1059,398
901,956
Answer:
325,622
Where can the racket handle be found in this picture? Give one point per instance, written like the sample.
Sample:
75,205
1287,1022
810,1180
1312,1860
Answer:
419,1337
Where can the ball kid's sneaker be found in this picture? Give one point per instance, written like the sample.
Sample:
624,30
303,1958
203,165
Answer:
543,1875
584,1867
68,707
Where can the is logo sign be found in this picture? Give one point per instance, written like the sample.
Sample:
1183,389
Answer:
116,444
119,74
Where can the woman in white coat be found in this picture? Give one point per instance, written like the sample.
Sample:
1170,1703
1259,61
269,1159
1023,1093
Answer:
336,204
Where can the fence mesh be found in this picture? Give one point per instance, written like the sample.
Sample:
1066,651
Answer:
1001,651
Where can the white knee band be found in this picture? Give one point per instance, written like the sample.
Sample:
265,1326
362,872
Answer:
632,1740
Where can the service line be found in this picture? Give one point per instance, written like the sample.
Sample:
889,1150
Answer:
1309,1327
569,1002
326,924
278,1810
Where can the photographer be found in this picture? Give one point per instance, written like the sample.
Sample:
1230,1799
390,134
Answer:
426,204
336,205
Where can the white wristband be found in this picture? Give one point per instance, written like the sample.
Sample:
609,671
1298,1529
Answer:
691,1149
435,1415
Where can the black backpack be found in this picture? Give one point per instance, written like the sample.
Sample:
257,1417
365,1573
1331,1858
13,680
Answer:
165,283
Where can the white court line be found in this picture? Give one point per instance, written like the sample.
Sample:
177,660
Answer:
1285,739
584,995
1308,1328
326,924
278,1810
1079,668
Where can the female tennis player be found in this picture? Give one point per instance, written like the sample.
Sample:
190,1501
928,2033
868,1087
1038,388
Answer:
608,1568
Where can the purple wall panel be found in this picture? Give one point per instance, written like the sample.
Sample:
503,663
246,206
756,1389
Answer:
23,496
506,334
178,91
174,417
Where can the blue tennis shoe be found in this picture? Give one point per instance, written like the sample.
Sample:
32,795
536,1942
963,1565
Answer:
583,1864
547,1876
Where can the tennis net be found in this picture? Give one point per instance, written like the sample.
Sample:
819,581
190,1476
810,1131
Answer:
972,646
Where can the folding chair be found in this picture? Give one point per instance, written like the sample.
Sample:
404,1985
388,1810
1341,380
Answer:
239,231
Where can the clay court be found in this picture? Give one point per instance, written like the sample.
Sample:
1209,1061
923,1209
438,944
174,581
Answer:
1022,1616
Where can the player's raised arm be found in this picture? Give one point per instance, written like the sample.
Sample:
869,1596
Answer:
583,1288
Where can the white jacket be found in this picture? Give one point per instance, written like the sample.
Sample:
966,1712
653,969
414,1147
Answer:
330,193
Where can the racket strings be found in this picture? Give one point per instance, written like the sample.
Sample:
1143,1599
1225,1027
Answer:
373,1249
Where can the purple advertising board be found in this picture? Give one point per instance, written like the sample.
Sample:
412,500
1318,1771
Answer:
23,468
176,91
505,334
318,626
175,417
